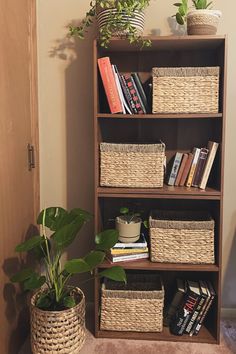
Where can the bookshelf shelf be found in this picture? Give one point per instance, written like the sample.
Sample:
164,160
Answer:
159,116
180,133
148,265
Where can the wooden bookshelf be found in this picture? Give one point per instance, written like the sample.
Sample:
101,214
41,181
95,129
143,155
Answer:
180,132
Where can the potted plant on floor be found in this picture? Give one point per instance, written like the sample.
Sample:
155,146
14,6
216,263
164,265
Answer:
115,18
201,20
57,309
128,225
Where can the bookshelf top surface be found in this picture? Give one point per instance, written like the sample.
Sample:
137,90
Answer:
168,42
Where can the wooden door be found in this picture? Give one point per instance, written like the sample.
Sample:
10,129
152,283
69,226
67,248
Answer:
18,185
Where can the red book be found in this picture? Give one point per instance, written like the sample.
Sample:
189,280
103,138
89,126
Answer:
186,170
109,84
181,169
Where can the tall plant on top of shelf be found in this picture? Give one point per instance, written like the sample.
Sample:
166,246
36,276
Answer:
201,20
122,18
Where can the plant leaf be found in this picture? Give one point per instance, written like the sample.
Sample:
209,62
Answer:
34,282
124,210
94,258
44,301
69,301
22,275
29,244
66,235
179,19
53,216
75,266
106,239
114,273
177,4
40,250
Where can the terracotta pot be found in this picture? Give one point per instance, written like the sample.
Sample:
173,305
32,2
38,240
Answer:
128,231
203,22
58,331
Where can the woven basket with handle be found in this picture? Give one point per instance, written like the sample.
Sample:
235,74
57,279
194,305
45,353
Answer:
59,332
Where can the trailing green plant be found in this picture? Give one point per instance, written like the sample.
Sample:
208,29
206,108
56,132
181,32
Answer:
53,280
183,8
114,23
131,215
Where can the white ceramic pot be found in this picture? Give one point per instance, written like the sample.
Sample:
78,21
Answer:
203,22
128,231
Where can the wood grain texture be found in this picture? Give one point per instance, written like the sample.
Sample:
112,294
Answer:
18,200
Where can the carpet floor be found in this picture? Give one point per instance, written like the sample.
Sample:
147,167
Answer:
122,346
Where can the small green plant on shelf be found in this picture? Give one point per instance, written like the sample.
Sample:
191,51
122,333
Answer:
64,226
183,9
118,18
130,216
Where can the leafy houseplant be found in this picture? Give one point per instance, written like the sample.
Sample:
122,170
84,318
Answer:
201,20
115,17
54,294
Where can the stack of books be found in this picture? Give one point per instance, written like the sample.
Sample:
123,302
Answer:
189,307
125,93
123,252
193,169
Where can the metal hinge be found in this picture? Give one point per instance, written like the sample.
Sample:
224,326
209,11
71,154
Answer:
31,160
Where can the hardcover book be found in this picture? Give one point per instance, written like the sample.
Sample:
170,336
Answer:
206,294
141,91
175,303
212,147
200,167
196,153
181,169
130,257
186,170
175,168
134,94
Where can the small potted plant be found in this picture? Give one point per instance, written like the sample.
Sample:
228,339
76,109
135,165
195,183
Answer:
57,309
115,18
201,20
128,225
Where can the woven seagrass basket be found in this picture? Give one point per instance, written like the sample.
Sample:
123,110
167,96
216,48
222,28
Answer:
61,332
132,165
182,237
137,306
186,90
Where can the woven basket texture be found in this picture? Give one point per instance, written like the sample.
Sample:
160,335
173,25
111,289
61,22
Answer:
186,90
202,24
137,306
182,237
132,165
58,332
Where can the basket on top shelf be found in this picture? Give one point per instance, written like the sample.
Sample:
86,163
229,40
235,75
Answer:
182,237
186,90
136,306
132,165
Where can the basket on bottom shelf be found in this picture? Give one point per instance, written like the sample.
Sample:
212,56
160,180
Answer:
182,237
136,306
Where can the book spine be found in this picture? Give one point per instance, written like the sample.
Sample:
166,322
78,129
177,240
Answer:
109,84
118,87
133,93
175,168
200,167
140,89
129,257
181,169
186,170
184,314
128,95
195,314
208,166
128,251
138,95
193,167
199,325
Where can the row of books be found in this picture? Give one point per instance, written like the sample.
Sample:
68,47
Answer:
123,252
193,169
189,307
125,93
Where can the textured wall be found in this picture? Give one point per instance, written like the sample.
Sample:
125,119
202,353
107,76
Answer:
66,128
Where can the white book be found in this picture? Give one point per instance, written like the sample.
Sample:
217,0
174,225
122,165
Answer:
124,104
141,243
130,257
212,146
196,153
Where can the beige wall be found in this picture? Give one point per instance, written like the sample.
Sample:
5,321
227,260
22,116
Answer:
65,113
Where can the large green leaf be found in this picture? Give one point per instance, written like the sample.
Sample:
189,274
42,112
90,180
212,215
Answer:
106,239
115,273
35,282
179,19
66,235
29,244
53,216
94,258
22,275
75,266
40,250
83,214
69,301
44,301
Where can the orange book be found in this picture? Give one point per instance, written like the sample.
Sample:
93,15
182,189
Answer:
181,169
186,170
109,84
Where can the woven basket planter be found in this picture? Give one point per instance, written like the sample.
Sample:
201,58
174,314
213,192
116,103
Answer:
137,306
186,90
182,237
59,332
203,22
132,165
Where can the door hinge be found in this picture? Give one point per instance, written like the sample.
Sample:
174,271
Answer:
31,160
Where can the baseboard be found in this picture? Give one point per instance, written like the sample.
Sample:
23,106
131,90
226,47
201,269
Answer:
228,312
